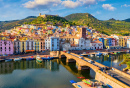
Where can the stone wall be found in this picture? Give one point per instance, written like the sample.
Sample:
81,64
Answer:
100,76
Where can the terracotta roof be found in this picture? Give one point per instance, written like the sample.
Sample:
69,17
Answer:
96,41
73,45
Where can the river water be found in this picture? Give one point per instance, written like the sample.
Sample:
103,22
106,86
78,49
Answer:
110,60
49,74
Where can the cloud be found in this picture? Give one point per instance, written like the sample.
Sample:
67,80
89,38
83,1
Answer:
88,2
48,4
108,7
41,4
70,4
101,0
125,5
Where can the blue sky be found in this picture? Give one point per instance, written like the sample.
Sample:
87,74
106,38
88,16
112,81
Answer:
101,9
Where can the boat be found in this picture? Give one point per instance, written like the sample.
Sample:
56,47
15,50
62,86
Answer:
47,58
109,86
38,59
98,54
81,77
31,58
28,59
119,52
91,55
1,60
40,63
72,81
17,59
8,60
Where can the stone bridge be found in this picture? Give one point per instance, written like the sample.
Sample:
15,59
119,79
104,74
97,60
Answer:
100,76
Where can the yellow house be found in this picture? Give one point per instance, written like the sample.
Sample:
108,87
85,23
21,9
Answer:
122,41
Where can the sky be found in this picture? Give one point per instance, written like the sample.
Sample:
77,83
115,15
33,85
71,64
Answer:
101,9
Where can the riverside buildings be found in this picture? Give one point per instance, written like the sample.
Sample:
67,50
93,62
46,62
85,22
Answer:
6,47
41,37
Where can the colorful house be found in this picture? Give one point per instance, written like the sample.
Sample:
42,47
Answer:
6,47
122,41
96,45
102,40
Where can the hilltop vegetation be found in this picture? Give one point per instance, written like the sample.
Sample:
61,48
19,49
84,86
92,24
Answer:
108,27
51,19
111,26
5,25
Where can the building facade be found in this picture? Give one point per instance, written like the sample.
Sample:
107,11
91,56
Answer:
6,47
52,43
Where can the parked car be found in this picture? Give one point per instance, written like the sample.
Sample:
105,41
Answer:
91,61
81,57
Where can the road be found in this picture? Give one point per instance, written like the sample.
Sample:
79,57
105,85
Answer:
120,77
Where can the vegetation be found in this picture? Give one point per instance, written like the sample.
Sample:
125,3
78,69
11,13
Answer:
5,25
55,20
108,27
127,20
126,61
111,26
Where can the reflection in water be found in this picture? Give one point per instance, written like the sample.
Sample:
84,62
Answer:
49,74
110,60
8,67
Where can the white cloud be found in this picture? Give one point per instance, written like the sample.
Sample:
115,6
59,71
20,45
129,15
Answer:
48,4
41,4
101,0
88,2
108,7
125,5
70,4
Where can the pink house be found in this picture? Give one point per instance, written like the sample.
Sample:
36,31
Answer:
113,42
6,47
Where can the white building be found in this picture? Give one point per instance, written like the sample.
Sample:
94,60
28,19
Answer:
96,45
83,43
52,43
128,43
17,46
29,45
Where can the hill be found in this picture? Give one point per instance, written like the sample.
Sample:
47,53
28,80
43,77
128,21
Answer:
111,26
127,20
5,25
55,20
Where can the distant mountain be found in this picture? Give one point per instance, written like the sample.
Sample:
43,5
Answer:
127,20
30,17
111,26
6,25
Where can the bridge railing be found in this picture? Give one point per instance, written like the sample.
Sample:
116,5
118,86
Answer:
113,79
121,72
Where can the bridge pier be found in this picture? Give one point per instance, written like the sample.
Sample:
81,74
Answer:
70,60
83,68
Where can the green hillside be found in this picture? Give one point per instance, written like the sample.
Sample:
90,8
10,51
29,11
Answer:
108,27
55,20
127,20
5,25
